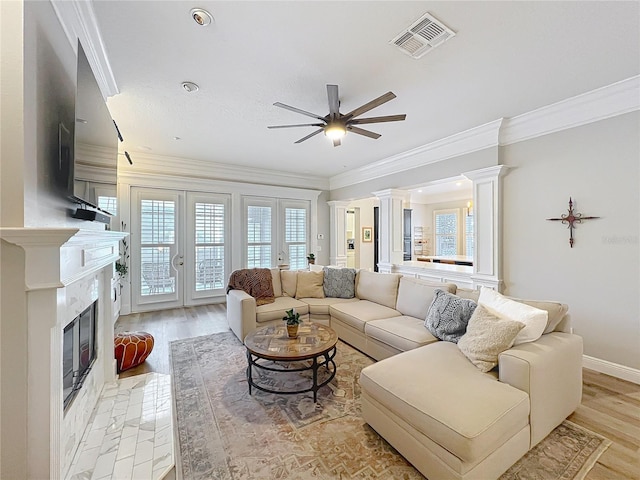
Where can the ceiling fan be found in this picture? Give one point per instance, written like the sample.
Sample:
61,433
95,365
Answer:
335,124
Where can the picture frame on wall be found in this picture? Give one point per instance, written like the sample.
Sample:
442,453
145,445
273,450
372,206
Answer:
367,234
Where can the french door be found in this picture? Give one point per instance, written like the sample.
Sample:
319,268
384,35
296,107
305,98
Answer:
179,253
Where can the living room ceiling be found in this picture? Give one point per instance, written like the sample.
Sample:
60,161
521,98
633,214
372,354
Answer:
507,58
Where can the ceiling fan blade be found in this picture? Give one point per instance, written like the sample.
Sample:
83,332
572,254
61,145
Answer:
388,118
371,105
336,142
361,131
334,102
299,125
297,110
310,135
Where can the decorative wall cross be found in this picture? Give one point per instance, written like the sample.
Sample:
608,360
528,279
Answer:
571,219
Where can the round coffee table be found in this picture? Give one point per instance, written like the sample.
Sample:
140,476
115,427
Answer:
269,348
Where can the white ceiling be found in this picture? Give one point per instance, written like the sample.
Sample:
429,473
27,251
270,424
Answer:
507,58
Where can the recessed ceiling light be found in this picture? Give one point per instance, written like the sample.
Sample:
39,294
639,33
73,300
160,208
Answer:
201,16
176,138
190,87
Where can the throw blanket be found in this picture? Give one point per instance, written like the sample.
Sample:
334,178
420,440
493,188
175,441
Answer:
257,282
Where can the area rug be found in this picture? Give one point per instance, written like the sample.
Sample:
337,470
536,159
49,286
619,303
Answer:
225,433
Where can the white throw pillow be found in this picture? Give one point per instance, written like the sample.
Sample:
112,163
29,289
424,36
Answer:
534,319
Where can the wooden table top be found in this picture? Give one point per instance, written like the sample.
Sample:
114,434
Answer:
273,343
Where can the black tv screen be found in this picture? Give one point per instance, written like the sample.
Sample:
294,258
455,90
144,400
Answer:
95,152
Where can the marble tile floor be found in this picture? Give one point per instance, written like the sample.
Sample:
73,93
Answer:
130,433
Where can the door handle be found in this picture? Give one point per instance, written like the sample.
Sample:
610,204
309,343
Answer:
173,261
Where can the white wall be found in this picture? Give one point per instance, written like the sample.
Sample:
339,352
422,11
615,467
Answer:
597,165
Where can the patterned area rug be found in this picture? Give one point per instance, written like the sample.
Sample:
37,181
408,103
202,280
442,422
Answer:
225,433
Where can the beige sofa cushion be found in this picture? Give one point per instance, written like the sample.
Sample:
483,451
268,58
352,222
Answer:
487,337
402,333
356,314
277,283
309,285
415,295
381,288
289,280
320,306
442,395
277,309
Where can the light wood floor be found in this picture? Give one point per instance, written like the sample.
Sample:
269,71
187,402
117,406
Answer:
610,407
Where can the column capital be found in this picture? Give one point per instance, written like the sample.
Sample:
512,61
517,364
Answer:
338,203
392,193
496,171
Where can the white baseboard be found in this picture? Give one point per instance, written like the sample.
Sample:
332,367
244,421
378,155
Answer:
615,370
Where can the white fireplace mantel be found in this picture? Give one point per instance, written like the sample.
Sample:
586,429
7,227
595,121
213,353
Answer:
56,257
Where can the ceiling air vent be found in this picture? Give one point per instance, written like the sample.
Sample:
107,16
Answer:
422,36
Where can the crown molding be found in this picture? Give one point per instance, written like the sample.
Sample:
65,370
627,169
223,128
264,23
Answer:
78,21
472,140
599,104
151,164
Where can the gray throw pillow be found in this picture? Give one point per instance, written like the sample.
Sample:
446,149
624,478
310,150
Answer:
339,282
448,316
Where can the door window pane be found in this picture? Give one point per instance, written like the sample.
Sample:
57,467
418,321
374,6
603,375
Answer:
209,245
258,237
157,235
296,237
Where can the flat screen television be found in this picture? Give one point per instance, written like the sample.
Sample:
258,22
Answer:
93,174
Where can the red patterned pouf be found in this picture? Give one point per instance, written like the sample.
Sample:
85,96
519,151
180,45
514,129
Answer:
132,348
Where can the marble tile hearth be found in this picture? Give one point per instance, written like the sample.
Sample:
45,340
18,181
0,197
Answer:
130,433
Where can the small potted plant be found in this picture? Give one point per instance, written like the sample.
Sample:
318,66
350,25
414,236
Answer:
311,258
292,318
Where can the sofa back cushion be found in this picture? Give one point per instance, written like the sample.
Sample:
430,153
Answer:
277,284
289,279
415,295
309,285
381,288
557,311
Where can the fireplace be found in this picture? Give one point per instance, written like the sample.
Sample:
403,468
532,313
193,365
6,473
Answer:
78,352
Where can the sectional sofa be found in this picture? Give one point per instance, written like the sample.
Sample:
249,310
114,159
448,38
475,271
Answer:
424,396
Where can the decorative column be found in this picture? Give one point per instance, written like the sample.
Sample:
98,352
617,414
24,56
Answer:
338,232
487,211
390,229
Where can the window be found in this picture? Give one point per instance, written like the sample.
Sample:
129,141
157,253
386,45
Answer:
259,236
296,237
109,204
446,232
468,231
209,245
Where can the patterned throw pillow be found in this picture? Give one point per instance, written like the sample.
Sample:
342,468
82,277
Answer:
448,316
487,337
339,282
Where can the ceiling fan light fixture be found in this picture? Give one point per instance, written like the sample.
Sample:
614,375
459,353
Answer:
335,131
